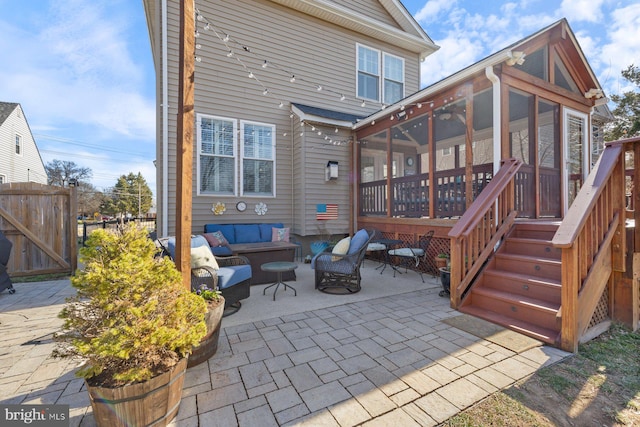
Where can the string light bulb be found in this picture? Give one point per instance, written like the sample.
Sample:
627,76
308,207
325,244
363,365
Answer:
230,54
319,88
292,79
342,97
251,75
225,38
265,64
265,92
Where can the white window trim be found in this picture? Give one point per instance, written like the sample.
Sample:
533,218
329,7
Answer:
380,69
199,117
382,80
242,157
16,144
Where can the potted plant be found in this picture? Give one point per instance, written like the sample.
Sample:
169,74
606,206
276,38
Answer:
318,246
441,260
134,324
213,319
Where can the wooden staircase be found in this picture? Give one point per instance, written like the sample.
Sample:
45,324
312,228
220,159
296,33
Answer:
519,288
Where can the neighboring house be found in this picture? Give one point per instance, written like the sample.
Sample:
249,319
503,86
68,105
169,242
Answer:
20,159
278,87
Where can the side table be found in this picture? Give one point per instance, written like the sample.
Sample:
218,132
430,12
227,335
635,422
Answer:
279,267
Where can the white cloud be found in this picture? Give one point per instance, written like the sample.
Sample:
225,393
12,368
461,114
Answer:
582,10
432,10
622,48
443,63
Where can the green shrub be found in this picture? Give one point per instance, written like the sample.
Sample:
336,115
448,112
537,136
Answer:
132,318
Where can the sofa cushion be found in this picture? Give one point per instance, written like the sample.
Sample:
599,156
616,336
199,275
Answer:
196,241
201,256
247,233
359,239
266,230
279,234
227,230
216,239
222,251
232,275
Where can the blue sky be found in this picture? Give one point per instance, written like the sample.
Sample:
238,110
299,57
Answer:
82,69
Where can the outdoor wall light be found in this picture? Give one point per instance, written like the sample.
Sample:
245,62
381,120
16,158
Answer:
332,170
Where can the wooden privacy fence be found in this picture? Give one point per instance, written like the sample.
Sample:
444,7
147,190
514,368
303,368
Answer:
40,222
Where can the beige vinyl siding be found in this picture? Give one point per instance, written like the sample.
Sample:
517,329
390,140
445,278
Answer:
26,166
317,52
372,9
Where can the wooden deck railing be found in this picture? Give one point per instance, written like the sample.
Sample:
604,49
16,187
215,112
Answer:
592,239
481,227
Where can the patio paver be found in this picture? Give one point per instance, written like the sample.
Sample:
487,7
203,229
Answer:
386,361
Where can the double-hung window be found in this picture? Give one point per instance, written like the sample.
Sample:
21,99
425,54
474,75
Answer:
216,155
19,144
368,73
380,76
393,78
258,159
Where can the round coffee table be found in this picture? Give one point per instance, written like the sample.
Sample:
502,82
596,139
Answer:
279,267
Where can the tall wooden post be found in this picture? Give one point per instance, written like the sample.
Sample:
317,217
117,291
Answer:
184,151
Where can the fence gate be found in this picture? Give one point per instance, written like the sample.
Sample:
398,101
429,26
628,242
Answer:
40,221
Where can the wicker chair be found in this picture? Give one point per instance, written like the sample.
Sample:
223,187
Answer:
340,274
232,279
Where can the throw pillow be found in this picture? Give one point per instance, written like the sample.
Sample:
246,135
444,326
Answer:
279,234
341,248
202,257
216,239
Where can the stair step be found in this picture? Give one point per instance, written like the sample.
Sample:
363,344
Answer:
548,336
535,230
533,266
531,247
545,289
538,312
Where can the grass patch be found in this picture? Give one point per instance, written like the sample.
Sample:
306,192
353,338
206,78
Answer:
600,385
40,278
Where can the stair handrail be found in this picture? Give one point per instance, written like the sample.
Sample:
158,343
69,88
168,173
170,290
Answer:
476,234
592,239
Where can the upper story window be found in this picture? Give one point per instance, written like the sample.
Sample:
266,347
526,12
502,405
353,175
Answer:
216,155
393,78
19,144
258,159
368,73
221,154
3,179
380,76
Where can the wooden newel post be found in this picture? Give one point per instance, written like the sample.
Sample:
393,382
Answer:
184,151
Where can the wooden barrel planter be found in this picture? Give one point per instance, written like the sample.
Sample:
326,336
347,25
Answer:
209,344
150,403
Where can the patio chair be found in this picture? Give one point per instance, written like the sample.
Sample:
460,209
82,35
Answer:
410,255
339,273
232,278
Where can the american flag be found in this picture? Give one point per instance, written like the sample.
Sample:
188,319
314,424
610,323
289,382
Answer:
326,211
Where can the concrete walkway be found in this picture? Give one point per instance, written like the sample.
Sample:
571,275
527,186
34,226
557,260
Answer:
382,357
